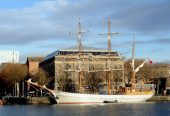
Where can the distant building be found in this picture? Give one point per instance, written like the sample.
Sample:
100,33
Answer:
162,78
9,57
33,64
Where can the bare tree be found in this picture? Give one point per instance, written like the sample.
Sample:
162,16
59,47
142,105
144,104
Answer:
148,73
144,73
128,71
13,73
41,77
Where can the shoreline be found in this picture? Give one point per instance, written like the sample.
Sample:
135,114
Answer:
45,100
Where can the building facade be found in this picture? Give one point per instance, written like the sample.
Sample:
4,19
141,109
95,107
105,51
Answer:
9,57
91,67
33,65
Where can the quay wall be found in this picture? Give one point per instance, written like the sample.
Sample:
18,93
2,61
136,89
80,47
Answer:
39,100
159,98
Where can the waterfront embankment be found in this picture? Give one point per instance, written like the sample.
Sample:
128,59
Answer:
39,100
159,98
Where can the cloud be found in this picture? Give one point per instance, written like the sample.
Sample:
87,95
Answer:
30,24
53,19
157,50
162,41
146,17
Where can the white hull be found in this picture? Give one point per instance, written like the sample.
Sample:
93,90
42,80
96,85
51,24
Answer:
77,98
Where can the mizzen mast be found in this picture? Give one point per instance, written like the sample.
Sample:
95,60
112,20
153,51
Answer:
133,60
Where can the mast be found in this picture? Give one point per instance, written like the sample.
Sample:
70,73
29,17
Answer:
109,34
79,32
133,60
109,50
109,47
80,74
108,77
109,43
134,69
108,73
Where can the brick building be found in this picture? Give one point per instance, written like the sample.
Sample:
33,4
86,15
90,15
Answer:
33,64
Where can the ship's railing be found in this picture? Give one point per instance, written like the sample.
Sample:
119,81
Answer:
140,89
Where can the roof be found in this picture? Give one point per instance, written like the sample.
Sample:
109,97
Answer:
35,59
85,48
75,49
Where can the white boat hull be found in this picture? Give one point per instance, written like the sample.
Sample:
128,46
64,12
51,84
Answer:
77,98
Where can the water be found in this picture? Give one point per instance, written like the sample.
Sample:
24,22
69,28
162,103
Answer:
117,109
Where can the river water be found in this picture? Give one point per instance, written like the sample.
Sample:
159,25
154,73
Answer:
114,109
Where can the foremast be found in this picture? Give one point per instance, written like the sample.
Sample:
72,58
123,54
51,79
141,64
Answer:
79,34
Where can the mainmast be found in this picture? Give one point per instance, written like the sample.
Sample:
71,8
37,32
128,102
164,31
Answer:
108,73
109,36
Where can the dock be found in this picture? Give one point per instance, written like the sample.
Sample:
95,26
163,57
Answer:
26,100
159,98
16,100
39,100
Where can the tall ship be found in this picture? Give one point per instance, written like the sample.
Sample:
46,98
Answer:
89,76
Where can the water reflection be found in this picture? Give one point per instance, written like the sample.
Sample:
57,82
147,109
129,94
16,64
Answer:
118,109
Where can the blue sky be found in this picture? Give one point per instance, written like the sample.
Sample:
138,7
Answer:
39,27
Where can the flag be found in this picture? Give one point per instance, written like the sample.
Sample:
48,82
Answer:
150,61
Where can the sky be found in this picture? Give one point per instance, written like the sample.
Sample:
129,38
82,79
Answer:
40,27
